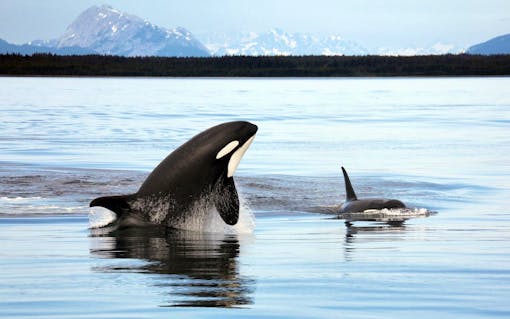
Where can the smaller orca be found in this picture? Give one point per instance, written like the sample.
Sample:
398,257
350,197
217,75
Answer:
354,205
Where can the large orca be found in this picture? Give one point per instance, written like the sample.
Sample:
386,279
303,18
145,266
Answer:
196,176
354,205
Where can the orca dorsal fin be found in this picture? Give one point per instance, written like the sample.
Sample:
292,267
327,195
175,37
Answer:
117,204
349,191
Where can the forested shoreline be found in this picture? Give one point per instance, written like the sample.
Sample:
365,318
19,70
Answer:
255,66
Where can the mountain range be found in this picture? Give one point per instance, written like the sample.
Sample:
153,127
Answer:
105,30
279,42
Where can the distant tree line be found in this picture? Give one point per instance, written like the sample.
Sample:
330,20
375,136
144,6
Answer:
255,66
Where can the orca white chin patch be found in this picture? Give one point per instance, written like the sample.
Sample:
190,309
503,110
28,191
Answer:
237,156
227,149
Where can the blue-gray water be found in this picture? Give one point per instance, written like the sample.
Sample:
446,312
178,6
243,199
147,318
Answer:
436,143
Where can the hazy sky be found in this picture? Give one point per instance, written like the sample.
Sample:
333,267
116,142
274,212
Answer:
372,23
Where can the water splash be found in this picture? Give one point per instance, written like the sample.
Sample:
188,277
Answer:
245,224
388,215
201,217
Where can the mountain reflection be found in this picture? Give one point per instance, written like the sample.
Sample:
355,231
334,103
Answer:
199,270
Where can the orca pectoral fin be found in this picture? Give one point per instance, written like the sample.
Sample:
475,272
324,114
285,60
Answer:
227,201
117,204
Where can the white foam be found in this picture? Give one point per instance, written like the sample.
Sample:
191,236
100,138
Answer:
19,199
245,225
399,212
203,217
394,214
100,217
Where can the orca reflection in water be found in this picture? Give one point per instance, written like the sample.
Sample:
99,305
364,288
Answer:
356,237
197,269
354,205
195,177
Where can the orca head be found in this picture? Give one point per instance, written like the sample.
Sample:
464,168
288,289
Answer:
203,160
221,150
234,138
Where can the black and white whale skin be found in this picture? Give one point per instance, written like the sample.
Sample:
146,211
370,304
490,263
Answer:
354,205
196,176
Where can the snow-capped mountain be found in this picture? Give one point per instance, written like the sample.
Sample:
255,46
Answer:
279,42
436,49
497,45
106,30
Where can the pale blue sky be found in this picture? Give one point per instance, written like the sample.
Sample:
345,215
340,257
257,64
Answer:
372,23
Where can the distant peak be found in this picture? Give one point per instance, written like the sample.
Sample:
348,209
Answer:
107,30
105,8
102,13
111,9
98,8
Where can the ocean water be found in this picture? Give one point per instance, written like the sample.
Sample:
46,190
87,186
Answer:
439,144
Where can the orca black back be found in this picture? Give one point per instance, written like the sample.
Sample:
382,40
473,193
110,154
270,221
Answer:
353,205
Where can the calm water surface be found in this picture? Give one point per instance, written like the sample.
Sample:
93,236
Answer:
441,144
